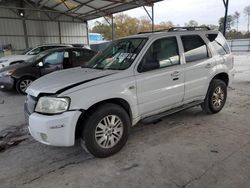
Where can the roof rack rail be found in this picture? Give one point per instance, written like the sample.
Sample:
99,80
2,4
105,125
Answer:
178,29
153,31
189,28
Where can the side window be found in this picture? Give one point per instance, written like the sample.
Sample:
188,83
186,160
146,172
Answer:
219,43
82,55
162,53
54,58
194,48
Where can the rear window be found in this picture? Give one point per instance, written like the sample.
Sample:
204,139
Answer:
219,43
194,48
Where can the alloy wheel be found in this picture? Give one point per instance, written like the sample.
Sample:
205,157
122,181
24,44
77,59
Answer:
25,84
109,131
218,97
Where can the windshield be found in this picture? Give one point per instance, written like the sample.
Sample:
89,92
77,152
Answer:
119,55
36,57
25,51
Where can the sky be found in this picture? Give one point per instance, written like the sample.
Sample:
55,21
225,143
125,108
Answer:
203,11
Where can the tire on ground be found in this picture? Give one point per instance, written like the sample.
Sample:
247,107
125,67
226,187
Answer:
20,81
208,106
91,126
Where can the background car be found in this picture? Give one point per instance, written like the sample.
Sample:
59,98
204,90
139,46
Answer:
20,76
28,53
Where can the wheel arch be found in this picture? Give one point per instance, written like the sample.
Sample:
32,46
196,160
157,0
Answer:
118,101
222,76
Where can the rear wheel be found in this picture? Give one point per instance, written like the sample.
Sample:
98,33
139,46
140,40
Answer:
106,130
22,84
215,98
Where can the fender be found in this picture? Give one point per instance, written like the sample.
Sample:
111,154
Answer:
92,95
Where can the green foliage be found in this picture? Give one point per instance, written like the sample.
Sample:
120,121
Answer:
126,25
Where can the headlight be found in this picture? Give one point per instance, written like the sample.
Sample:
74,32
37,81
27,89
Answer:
52,105
9,72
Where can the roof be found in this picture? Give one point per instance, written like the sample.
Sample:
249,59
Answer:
66,48
91,9
171,32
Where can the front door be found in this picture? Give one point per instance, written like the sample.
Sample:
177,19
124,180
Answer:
160,78
53,62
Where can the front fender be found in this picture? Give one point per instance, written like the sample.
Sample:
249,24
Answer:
87,97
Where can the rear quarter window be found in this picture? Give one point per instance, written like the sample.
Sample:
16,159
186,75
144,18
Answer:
219,43
195,48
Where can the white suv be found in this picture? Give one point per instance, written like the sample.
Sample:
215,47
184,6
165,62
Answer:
138,78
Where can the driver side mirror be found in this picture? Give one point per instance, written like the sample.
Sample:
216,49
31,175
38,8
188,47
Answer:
40,64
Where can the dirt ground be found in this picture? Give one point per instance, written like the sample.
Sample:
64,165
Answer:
187,149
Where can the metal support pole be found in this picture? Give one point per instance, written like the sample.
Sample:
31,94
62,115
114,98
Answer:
153,21
60,34
248,20
113,28
25,33
151,17
225,17
87,27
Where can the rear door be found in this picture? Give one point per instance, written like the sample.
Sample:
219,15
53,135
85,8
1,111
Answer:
199,64
160,77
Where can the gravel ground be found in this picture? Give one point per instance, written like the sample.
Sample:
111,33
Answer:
187,149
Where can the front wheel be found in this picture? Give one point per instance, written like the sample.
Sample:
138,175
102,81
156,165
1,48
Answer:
106,130
215,98
22,84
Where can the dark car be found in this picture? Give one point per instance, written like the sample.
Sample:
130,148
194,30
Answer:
19,76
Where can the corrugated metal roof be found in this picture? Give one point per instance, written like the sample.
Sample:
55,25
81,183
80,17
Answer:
91,9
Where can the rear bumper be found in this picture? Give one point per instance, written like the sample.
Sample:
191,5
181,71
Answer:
6,83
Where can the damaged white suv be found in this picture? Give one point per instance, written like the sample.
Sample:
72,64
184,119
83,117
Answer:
138,78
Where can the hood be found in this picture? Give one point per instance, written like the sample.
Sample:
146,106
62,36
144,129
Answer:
14,66
13,58
60,81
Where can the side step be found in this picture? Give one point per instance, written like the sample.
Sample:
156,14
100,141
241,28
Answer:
157,117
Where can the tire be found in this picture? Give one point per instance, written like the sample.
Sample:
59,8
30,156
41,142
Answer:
22,84
215,98
106,130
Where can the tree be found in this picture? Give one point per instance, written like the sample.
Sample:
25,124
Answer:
191,23
236,17
164,25
103,28
229,24
211,26
247,13
144,24
126,25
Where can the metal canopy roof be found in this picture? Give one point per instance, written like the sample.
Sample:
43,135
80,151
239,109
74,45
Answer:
89,9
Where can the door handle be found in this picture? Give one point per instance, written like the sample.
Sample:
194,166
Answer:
208,65
175,74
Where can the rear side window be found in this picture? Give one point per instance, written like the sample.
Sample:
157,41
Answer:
219,43
85,55
80,57
194,48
